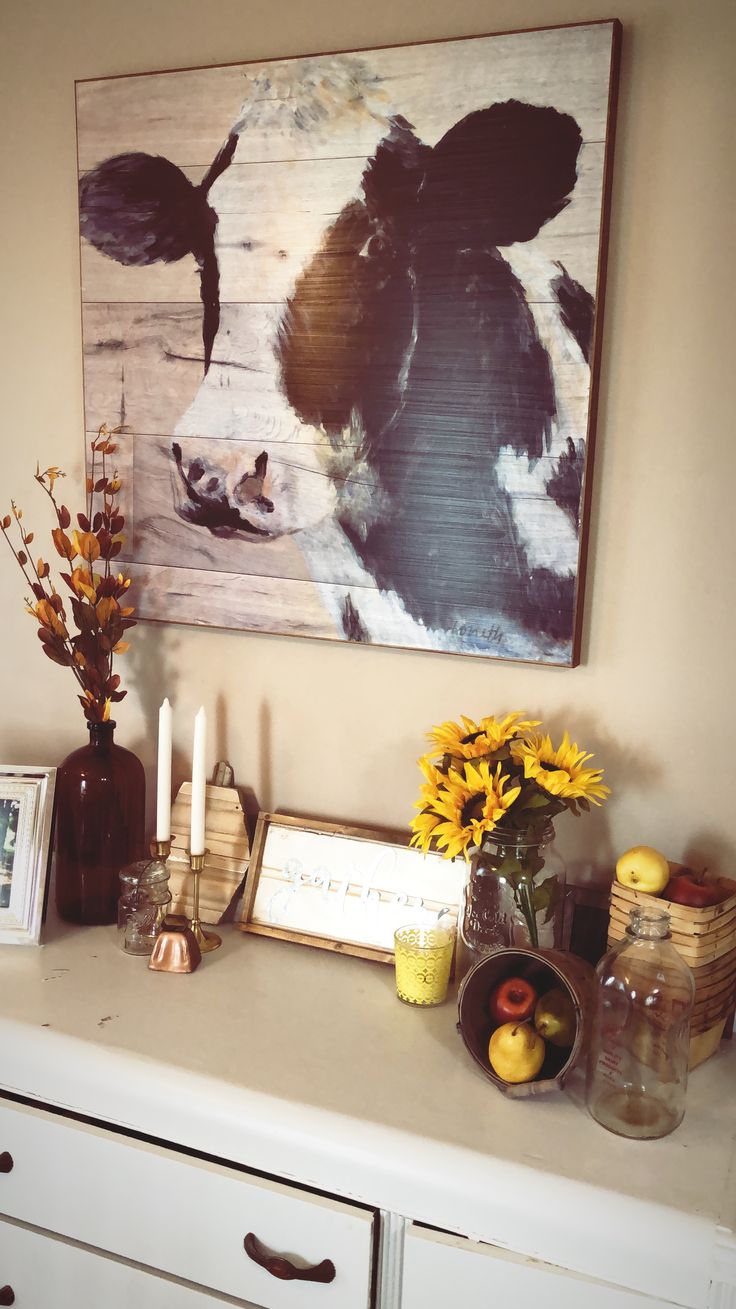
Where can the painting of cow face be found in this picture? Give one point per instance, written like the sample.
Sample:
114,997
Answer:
346,308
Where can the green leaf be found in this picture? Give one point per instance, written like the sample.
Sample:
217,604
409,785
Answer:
545,897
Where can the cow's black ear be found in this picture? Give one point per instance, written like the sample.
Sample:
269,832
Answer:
139,208
500,173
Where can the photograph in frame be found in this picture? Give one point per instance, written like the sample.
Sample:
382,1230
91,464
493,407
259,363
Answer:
26,820
348,307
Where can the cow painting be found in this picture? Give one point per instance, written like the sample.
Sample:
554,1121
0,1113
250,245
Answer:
387,438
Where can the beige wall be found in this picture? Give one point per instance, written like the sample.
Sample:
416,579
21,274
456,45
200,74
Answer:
334,730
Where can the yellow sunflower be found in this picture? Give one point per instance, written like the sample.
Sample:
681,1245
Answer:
459,808
471,740
560,772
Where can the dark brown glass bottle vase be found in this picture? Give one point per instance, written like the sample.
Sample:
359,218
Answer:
100,825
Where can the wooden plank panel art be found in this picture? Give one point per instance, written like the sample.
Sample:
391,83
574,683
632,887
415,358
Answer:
343,888
227,852
348,307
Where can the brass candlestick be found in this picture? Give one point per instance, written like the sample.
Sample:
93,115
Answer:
205,940
160,849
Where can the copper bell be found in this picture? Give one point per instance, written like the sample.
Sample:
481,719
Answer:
176,949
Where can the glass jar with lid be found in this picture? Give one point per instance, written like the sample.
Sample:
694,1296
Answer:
143,904
640,1037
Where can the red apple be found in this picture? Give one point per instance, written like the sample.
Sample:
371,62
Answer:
512,1001
688,889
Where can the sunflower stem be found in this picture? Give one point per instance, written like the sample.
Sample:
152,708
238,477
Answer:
526,905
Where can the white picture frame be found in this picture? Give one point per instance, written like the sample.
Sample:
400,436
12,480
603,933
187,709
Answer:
26,821
343,888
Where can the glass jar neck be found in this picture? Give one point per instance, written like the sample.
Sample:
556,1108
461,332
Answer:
649,924
101,734
522,837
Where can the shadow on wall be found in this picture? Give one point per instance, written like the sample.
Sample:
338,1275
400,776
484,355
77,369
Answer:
150,667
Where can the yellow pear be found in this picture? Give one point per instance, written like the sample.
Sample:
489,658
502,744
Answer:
554,1017
643,869
516,1052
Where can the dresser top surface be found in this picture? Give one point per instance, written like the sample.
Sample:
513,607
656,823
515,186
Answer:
280,1046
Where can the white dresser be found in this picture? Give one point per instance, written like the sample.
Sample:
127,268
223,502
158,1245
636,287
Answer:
277,1130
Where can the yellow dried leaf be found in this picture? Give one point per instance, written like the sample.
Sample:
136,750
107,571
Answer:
63,545
86,545
80,582
105,608
121,647
48,617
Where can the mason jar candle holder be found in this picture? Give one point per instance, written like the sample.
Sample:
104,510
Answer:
143,904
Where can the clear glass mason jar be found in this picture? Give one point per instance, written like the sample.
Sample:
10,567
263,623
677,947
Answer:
514,894
143,904
640,1037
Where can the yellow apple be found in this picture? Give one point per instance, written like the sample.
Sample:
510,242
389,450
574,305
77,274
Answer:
516,1052
643,869
554,1017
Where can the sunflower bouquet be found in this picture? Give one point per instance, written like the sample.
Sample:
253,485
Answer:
95,603
491,790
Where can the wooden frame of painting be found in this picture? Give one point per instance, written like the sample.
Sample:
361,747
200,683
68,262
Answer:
348,308
26,821
343,888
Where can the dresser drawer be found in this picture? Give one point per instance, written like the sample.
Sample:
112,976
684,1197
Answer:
184,1216
441,1269
44,1272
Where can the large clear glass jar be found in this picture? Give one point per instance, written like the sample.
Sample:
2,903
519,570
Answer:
640,1038
143,904
514,894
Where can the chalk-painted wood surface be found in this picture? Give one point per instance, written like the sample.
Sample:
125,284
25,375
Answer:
228,852
251,1060
49,1272
442,1269
185,1216
306,129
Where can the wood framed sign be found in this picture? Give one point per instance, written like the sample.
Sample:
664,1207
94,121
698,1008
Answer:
343,888
349,307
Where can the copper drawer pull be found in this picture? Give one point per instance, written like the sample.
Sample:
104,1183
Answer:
6,1165
7,1295
277,1266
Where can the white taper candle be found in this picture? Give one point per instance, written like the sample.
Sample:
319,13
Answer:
163,774
196,836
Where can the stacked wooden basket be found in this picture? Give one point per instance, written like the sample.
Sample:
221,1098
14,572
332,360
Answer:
706,940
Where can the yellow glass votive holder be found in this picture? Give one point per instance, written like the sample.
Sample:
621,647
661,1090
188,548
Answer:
423,960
